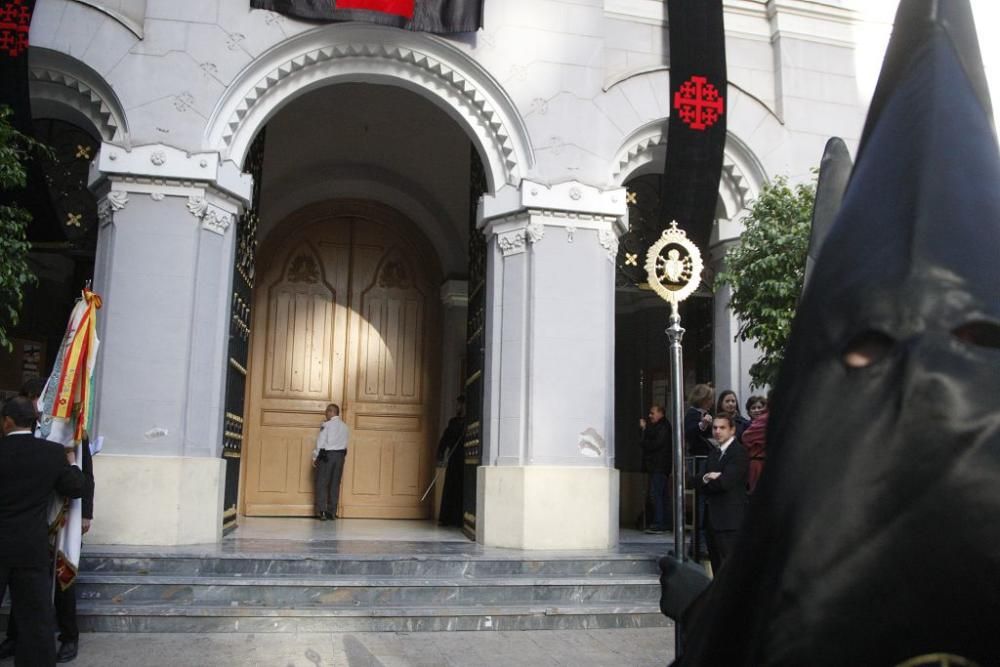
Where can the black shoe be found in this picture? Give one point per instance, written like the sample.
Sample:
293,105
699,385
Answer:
321,516
67,651
654,530
7,648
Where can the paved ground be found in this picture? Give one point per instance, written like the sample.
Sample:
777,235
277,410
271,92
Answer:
573,648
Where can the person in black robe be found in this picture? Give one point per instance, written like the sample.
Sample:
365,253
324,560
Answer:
873,537
451,453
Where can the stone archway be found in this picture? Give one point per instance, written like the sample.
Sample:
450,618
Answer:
66,89
342,53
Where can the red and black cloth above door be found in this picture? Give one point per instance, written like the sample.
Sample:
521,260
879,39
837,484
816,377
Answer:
438,16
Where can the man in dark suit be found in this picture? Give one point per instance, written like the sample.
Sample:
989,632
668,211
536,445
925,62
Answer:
64,600
30,470
725,488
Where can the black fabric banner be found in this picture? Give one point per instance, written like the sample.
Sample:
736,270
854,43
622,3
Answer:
438,16
15,20
696,135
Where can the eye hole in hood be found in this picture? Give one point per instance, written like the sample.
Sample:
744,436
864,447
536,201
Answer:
867,348
982,334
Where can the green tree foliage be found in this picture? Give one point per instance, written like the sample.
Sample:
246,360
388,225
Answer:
15,273
765,272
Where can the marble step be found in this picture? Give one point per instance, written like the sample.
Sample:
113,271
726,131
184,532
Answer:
365,565
199,619
361,593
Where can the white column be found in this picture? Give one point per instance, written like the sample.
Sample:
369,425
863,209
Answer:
164,270
548,479
733,357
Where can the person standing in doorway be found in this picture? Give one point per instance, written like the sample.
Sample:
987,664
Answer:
450,452
328,460
725,487
656,460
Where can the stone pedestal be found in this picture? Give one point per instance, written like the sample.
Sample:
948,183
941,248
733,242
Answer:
548,475
157,500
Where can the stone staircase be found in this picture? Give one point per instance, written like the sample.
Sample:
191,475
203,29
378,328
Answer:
358,586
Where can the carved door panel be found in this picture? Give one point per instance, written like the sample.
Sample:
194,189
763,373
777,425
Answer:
298,357
344,316
389,380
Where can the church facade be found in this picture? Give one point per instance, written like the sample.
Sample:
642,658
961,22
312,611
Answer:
292,214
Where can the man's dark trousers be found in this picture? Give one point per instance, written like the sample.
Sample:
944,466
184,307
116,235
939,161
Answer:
328,474
32,609
65,604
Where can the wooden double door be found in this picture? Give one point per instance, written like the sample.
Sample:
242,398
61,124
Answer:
345,311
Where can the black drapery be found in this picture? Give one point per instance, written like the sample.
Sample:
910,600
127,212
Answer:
438,16
696,133
15,21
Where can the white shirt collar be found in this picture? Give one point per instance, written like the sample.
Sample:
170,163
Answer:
724,446
23,431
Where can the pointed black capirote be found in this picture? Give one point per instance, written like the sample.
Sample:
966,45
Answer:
873,537
834,172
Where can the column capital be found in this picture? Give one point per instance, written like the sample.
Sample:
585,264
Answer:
517,217
160,170
571,199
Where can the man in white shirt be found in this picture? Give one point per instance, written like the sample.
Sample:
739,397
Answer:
328,460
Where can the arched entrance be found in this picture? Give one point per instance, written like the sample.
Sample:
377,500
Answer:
345,311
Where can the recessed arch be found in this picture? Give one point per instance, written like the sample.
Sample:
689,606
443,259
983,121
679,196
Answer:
344,53
62,87
644,151
361,181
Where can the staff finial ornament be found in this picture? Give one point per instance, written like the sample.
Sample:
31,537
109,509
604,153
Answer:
673,266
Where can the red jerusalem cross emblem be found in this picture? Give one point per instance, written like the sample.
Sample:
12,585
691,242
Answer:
15,19
699,103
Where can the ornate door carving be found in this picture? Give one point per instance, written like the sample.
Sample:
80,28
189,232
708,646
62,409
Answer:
345,314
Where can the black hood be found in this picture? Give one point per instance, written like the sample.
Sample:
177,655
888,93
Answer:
874,534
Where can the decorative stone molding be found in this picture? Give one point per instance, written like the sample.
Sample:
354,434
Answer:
520,221
608,241
513,241
57,80
213,218
573,196
117,199
824,22
535,231
422,63
105,214
217,221
129,13
162,169
197,206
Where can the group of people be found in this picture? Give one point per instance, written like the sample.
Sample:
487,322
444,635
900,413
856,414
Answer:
730,474
31,471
